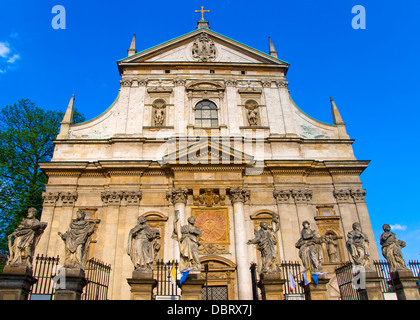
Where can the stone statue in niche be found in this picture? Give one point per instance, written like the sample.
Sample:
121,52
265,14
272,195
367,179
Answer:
330,240
188,237
252,112
391,249
26,238
203,48
77,241
358,246
266,242
158,115
310,248
143,245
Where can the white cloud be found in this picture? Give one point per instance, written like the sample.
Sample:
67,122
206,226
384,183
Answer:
13,58
4,49
398,227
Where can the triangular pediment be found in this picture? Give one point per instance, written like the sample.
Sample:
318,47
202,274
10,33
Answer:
208,152
202,45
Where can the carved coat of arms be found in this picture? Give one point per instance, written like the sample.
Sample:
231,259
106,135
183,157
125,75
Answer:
203,48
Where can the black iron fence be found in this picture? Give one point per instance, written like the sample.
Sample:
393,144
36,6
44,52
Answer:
348,288
46,272
345,277
97,276
165,274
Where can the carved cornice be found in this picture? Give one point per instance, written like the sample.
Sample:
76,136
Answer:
177,195
239,194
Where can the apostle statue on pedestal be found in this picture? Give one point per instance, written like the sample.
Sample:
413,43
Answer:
391,249
26,238
188,237
142,244
358,246
77,240
310,248
266,242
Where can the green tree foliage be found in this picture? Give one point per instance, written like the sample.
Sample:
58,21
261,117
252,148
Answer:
26,139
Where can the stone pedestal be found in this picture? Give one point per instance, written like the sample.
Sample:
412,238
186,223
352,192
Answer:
373,289
142,284
72,288
405,285
191,288
16,283
272,286
317,291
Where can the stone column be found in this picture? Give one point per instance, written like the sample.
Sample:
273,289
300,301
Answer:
238,196
180,120
178,197
75,281
112,202
135,113
289,224
358,196
405,285
348,217
275,118
304,208
16,283
50,199
232,107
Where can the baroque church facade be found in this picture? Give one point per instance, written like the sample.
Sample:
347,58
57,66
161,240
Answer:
206,126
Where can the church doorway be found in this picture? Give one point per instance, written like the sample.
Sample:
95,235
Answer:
220,276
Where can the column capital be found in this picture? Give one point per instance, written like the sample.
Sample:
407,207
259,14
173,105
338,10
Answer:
112,197
239,194
358,195
50,198
68,198
342,195
177,195
179,82
231,83
302,195
282,195
132,197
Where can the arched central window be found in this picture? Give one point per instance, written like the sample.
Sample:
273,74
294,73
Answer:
206,114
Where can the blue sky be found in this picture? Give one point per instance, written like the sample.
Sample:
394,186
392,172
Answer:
372,74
